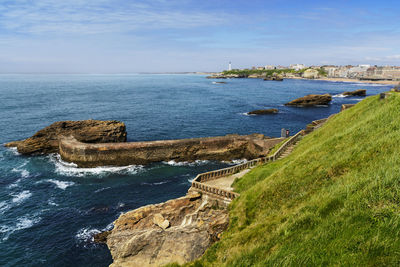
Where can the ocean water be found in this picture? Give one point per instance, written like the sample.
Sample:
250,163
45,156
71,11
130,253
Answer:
49,210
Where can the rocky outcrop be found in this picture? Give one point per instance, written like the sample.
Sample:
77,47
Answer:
220,148
311,100
137,238
88,131
311,74
274,77
360,92
264,111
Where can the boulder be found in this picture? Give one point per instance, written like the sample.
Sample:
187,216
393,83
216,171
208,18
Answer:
263,111
311,100
195,225
360,92
87,131
159,220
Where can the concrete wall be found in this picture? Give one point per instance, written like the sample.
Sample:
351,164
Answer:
120,154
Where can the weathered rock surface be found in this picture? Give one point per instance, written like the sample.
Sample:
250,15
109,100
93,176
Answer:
136,240
220,148
311,100
277,78
347,106
360,92
263,111
88,131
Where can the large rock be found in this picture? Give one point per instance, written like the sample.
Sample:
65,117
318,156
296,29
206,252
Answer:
87,131
360,92
195,224
263,111
311,100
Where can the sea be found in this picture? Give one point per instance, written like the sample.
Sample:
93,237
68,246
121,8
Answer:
50,210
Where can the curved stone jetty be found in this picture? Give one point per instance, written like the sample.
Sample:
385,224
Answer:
221,148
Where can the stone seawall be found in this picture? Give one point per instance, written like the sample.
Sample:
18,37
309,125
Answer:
210,148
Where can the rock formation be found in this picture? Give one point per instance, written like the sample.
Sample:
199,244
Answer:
88,131
138,239
311,74
218,148
311,100
360,92
263,111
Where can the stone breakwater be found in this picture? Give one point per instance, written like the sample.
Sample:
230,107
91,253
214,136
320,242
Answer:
221,148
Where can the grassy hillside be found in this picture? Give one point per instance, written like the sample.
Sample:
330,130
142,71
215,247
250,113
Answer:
333,201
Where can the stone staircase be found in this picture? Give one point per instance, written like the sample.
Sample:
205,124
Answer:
287,152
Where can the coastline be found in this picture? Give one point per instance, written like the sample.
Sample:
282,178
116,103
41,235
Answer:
347,80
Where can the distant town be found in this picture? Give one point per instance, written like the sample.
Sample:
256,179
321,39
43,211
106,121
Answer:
360,72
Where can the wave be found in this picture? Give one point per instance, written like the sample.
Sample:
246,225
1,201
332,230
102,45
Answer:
339,96
71,169
24,222
102,189
19,198
186,163
51,202
235,161
158,183
60,184
20,169
4,206
14,151
15,184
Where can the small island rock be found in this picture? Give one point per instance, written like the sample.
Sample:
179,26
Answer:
87,131
311,100
263,111
360,92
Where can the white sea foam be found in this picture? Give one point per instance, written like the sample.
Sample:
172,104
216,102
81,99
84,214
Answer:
339,96
60,184
15,184
20,169
186,163
235,161
247,114
14,151
86,234
51,202
4,207
158,183
24,222
71,169
102,189
20,197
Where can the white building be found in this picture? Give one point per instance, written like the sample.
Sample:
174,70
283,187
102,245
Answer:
230,66
297,66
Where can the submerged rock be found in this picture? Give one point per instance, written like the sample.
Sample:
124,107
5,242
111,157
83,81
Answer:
195,224
360,92
311,100
88,131
263,111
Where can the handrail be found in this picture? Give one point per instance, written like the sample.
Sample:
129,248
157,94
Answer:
198,182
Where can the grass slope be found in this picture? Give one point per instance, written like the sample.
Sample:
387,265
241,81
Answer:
333,201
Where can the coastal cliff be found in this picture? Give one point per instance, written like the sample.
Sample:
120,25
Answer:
179,230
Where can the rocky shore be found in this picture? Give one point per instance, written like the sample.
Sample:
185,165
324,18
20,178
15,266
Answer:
179,230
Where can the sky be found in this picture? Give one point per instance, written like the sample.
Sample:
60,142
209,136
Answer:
129,36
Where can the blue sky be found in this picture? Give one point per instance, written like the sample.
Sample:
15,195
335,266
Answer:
122,36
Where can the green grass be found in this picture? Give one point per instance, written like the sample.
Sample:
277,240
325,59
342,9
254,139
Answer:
276,147
333,201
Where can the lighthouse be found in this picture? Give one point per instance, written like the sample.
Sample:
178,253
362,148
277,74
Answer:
230,66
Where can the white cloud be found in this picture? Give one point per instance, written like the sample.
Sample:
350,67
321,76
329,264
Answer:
95,17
